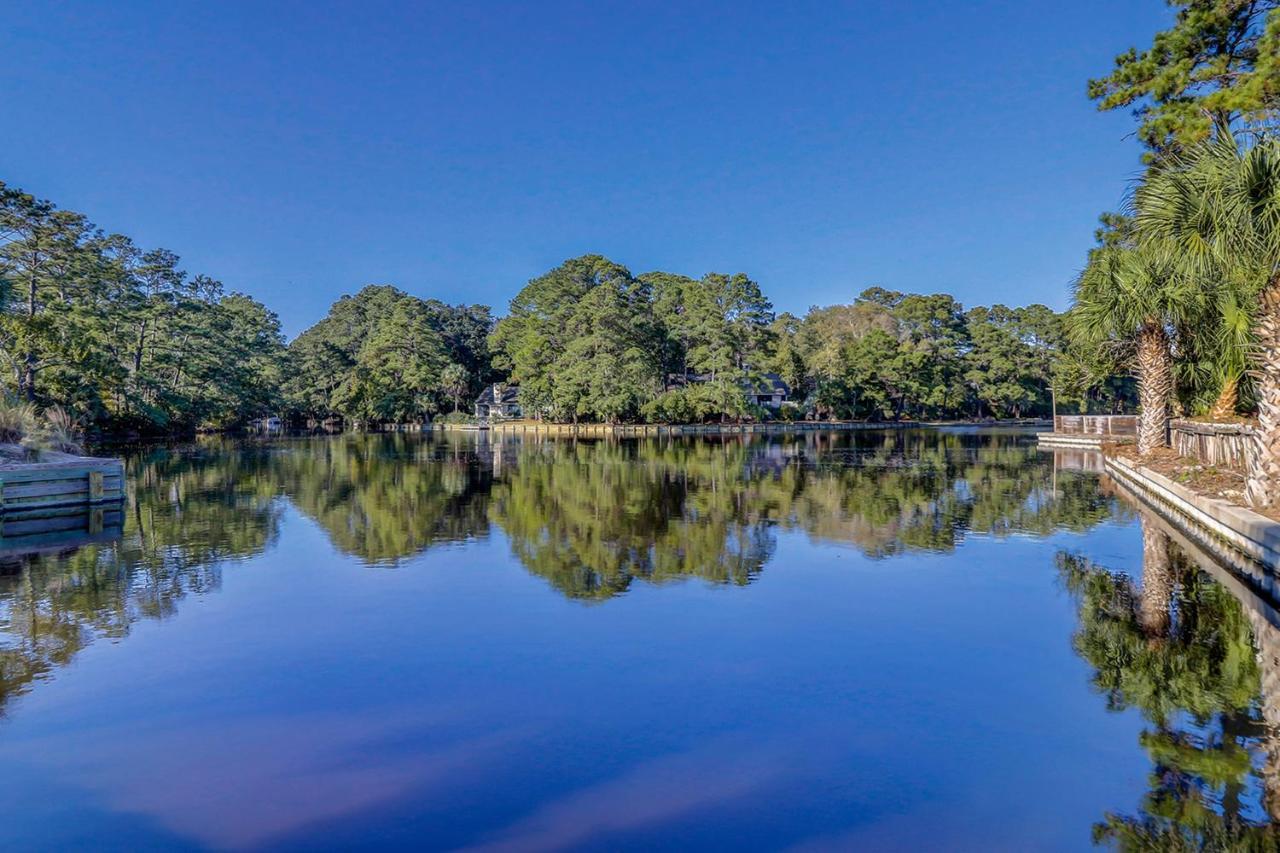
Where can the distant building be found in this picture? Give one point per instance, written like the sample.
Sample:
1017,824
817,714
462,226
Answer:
498,401
767,389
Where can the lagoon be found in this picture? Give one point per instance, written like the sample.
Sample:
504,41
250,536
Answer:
871,640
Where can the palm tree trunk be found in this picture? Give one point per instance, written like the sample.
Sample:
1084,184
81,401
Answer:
1225,406
1263,485
1155,382
1157,580
1266,640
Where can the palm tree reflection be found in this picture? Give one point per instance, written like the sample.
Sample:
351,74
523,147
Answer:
1203,668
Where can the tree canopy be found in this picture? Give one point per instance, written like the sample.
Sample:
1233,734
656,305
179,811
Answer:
385,356
1218,64
126,339
590,340
123,336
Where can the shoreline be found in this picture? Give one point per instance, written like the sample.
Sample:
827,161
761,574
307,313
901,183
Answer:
1212,521
767,427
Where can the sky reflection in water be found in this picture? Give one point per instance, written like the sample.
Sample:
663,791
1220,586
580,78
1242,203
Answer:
881,639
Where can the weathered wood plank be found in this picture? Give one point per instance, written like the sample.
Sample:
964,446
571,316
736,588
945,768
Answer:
58,472
45,488
85,519
1221,445
88,481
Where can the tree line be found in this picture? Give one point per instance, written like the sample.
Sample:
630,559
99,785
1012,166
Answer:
591,340
128,341
122,335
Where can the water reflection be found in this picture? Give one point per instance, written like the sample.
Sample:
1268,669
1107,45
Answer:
1199,657
1186,644
188,511
384,498
590,517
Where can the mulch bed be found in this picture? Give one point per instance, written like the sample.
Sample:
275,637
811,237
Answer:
1224,483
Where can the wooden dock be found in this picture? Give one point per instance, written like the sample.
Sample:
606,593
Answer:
1090,431
32,532
81,481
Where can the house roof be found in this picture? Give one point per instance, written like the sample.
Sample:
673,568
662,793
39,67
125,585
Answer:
769,383
510,394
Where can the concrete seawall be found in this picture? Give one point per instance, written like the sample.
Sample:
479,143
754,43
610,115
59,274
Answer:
1211,521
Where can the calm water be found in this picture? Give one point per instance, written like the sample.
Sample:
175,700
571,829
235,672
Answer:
869,641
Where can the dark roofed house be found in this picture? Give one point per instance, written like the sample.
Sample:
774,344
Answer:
498,401
767,390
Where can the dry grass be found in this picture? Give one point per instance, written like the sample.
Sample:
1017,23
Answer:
57,430
17,420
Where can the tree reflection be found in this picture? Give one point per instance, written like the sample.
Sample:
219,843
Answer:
1182,650
589,517
188,512
592,516
384,498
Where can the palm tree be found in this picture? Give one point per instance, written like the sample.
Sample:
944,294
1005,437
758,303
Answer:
1218,204
455,380
1231,342
1132,298
1211,360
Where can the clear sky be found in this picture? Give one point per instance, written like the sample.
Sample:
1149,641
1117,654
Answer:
297,151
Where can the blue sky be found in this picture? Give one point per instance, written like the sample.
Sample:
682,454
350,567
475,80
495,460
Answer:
298,151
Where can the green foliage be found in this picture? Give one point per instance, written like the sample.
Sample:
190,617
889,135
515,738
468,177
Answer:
1009,365
1203,219
590,340
123,337
608,368
890,355
385,356
1092,380
1215,208
1123,290
455,382
1218,64
685,405
534,336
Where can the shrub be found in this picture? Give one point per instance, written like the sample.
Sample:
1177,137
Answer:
17,420
676,406
57,430
791,411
